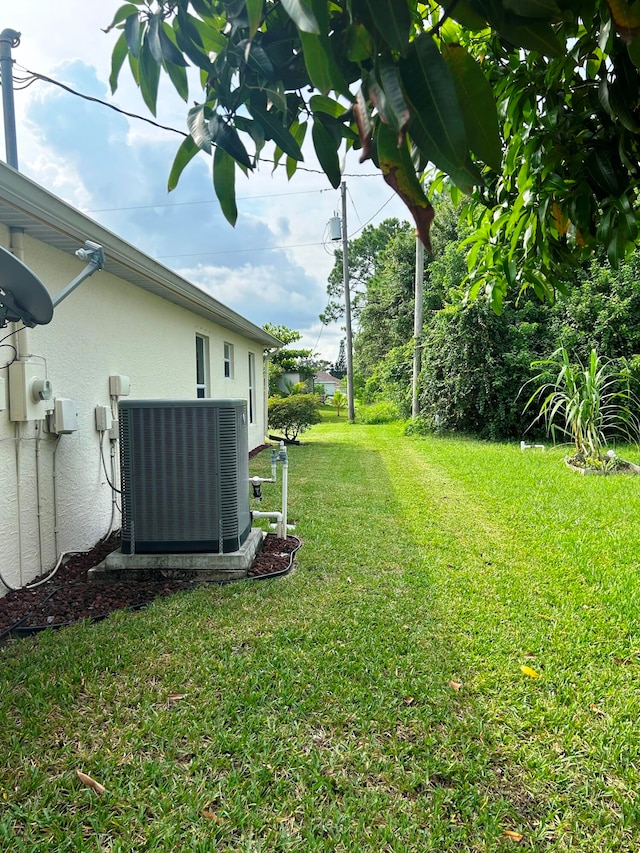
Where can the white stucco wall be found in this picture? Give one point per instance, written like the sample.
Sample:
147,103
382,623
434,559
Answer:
107,326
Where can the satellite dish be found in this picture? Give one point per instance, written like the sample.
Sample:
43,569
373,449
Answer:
22,295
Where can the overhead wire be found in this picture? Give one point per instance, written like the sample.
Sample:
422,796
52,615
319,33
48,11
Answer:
34,75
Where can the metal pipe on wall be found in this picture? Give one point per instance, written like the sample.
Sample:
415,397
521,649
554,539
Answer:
8,40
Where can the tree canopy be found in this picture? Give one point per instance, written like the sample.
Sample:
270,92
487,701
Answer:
530,107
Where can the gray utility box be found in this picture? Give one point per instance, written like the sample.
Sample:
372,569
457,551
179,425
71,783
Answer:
184,475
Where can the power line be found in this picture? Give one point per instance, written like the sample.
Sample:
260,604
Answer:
204,201
23,82
371,218
240,251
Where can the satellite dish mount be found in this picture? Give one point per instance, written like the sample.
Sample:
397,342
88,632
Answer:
24,298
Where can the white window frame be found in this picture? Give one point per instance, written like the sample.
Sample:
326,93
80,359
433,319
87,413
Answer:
252,388
227,360
203,388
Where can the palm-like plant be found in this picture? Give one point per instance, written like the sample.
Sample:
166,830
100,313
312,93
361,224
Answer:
589,404
338,401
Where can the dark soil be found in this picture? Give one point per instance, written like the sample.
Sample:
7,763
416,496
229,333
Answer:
70,597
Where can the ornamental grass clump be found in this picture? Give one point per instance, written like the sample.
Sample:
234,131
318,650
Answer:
590,404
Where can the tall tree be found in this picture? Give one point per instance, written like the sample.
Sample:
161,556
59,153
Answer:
532,106
363,253
339,368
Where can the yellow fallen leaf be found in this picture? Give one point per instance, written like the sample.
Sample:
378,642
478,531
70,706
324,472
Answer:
530,672
455,685
514,836
90,783
593,707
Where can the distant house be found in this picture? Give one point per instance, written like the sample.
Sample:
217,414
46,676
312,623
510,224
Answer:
329,382
287,380
133,328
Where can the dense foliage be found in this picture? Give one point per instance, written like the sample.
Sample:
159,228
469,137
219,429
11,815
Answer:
474,365
531,106
474,362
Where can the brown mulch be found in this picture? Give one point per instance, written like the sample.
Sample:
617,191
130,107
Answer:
69,597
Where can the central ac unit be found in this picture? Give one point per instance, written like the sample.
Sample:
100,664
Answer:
184,475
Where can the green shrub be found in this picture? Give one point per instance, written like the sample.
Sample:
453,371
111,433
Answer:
294,414
378,413
420,426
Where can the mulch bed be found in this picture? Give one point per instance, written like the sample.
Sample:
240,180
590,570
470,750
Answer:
69,597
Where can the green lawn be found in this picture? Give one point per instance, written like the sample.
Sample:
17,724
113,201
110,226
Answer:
375,698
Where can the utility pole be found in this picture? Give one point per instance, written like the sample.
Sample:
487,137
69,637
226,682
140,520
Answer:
347,304
417,326
8,39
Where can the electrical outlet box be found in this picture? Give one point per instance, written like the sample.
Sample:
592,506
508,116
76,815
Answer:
104,418
29,391
114,432
65,416
3,394
119,386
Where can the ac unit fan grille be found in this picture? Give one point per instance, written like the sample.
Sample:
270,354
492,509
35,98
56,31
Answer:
184,476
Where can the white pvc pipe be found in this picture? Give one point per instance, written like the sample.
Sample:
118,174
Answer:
276,515
285,489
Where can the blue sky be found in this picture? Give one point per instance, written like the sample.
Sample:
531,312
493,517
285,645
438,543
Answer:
272,267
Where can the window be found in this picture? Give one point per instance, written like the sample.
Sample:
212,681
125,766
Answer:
202,366
228,361
252,388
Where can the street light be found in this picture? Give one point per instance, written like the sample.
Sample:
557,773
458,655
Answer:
338,230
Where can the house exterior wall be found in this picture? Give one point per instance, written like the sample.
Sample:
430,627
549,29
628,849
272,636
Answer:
56,497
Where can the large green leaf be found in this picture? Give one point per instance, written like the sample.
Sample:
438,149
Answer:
132,31
478,105
392,19
153,37
321,66
299,131
326,152
184,155
178,76
199,128
538,36
302,16
319,59
121,15
224,183
257,59
358,42
254,12
170,52
470,18
322,104
117,59
274,129
398,170
188,39
546,10
149,77
437,124
212,40
226,137
396,110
